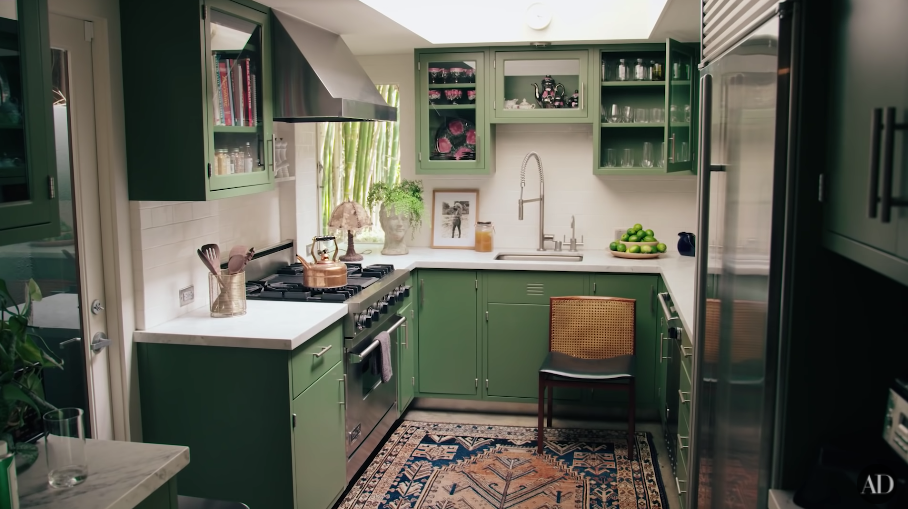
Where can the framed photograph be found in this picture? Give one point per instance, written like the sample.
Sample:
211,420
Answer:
454,214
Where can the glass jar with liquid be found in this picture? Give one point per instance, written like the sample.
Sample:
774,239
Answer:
221,166
484,234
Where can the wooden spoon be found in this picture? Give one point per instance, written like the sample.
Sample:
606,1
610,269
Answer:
238,259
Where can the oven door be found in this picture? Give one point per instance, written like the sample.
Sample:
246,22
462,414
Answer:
367,398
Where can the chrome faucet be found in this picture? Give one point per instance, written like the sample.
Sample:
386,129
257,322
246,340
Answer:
523,167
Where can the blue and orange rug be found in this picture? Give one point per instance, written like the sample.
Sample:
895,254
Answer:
464,466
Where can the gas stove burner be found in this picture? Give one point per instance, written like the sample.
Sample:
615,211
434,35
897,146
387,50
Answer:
294,269
378,270
253,288
284,286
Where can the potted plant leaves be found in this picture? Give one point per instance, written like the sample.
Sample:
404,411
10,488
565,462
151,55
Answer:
401,210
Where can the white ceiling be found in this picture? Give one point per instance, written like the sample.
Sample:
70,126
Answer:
368,32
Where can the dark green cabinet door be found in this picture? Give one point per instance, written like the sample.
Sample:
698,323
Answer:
28,192
448,349
663,354
866,78
682,110
643,289
406,366
517,341
318,441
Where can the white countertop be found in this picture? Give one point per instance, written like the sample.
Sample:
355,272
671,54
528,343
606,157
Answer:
267,324
287,325
781,499
120,476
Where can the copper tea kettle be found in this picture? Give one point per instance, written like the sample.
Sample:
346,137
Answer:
323,273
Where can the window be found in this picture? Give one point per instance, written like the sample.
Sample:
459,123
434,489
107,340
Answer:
354,155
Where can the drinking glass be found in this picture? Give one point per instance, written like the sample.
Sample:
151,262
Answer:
660,156
657,115
673,113
685,152
640,116
64,447
647,161
687,112
627,114
627,159
611,158
614,114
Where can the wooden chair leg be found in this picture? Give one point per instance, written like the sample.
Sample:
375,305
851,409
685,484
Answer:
540,431
550,403
631,411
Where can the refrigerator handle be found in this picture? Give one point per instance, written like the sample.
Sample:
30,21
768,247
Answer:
890,126
876,125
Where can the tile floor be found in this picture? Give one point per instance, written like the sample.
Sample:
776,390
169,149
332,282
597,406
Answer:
668,479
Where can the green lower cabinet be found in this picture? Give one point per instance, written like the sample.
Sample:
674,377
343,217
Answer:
406,365
517,342
663,355
318,441
643,289
448,352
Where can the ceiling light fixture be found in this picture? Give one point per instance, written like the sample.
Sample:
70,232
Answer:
538,16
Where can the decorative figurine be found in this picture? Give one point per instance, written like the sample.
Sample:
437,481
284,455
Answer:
546,98
574,100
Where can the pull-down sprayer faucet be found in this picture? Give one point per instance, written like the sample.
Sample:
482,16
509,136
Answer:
541,199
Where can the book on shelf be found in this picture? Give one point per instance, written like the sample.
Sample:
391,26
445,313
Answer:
236,92
223,92
250,120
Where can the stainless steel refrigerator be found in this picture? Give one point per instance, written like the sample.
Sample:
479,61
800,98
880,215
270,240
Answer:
746,115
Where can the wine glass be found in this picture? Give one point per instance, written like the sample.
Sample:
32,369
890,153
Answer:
614,114
647,161
627,115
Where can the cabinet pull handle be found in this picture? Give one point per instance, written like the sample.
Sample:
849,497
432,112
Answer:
406,335
652,293
478,143
422,294
678,485
876,124
680,443
344,382
886,201
681,396
668,314
687,351
582,93
69,341
594,288
662,348
322,351
671,158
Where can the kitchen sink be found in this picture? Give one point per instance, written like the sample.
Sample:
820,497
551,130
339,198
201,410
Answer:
540,257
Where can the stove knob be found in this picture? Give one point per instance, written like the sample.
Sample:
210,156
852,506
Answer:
375,314
383,307
391,299
364,320
406,290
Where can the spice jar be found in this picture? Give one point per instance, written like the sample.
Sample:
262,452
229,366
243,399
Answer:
484,232
221,166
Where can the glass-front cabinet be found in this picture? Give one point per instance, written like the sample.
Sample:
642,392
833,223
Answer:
536,85
28,191
198,127
646,105
451,108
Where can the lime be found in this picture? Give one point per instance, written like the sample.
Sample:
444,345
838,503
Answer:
661,247
622,248
631,231
634,249
638,226
640,233
646,249
648,238
633,238
625,237
649,233
613,246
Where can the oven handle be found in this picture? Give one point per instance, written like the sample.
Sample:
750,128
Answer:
356,358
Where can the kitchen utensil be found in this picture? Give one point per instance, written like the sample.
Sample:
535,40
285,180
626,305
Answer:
686,244
324,272
611,158
549,94
238,258
213,253
227,295
640,116
619,254
627,158
647,161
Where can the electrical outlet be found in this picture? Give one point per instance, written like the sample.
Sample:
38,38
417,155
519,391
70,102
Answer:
187,295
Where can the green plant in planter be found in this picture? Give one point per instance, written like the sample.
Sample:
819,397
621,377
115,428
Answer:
21,362
403,198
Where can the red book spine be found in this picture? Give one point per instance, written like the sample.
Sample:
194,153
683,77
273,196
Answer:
225,96
238,112
250,120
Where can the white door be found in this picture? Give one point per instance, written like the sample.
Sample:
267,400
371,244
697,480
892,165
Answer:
74,126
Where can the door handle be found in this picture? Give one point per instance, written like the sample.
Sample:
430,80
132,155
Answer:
890,126
70,341
99,341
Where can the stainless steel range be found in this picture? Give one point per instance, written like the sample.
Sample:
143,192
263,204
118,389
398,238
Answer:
373,295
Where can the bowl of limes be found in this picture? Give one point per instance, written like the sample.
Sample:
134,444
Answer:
637,243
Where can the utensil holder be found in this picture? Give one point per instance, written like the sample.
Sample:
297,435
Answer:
227,296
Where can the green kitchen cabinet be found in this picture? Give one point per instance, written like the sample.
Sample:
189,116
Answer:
454,136
642,288
669,106
406,352
867,101
662,358
220,400
519,74
318,441
28,188
199,121
448,349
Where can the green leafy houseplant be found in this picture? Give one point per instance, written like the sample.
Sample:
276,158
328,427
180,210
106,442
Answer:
21,362
403,198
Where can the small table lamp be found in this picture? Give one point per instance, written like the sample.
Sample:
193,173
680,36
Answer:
350,216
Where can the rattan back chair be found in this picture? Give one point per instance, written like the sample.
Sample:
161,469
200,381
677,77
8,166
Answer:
592,343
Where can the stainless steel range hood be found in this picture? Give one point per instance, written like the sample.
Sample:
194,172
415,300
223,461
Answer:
317,78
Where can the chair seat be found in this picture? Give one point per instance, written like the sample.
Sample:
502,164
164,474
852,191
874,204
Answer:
563,365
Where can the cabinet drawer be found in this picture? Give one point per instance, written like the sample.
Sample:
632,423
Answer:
532,287
684,388
683,439
681,479
305,367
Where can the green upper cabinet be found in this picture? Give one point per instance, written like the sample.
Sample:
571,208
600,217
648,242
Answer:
451,109
868,101
645,109
547,80
28,191
198,127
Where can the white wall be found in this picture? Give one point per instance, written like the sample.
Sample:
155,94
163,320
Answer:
666,204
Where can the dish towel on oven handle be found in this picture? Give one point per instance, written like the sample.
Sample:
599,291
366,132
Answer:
384,345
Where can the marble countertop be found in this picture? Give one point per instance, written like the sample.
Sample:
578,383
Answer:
781,499
267,324
120,476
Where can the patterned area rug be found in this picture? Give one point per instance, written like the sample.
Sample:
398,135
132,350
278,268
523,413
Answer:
464,466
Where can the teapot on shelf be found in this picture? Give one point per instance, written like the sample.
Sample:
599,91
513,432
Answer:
549,96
